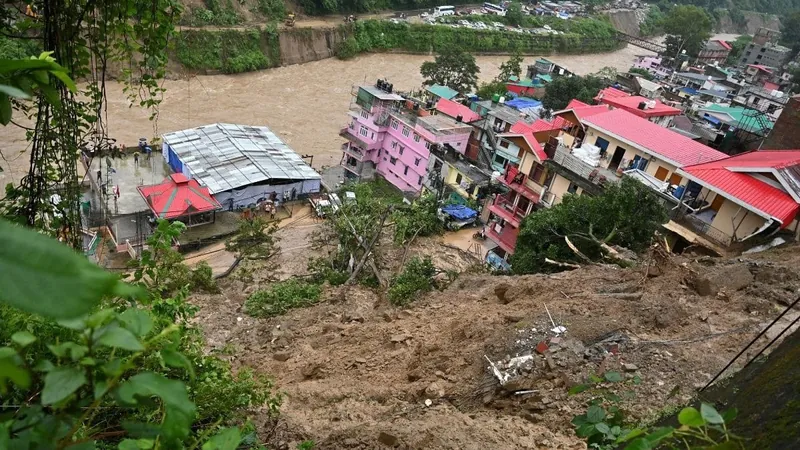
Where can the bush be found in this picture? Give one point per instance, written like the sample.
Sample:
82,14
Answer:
626,214
232,51
416,278
418,219
347,49
202,278
323,270
272,9
281,297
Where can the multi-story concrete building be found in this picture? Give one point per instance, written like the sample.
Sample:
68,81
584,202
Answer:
767,54
652,64
715,51
392,136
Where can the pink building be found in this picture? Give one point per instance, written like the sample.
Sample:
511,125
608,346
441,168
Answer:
651,64
393,136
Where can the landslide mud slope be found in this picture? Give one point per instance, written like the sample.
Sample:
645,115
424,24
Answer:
358,372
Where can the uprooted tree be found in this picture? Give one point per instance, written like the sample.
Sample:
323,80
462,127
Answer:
353,235
453,68
583,229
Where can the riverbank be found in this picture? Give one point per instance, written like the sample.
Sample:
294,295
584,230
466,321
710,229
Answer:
237,50
305,104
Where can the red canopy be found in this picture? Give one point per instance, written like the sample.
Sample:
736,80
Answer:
178,196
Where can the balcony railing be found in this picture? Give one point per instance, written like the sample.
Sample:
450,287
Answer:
568,161
355,152
496,261
505,208
518,181
506,238
352,135
702,228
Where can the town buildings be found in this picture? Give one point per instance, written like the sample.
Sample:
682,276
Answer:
651,109
393,136
764,50
715,51
239,165
652,64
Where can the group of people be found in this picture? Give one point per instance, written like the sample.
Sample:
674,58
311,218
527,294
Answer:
266,207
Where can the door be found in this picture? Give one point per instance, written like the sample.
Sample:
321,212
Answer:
661,173
603,144
616,159
716,204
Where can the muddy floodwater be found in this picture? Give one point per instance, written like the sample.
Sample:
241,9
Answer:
304,104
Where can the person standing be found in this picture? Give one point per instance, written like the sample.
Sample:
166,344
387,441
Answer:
136,159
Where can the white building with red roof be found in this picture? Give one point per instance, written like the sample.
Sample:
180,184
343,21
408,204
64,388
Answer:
731,200
651,109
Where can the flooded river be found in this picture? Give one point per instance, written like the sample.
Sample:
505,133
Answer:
304,104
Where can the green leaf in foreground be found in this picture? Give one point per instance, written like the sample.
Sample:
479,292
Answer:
691,417
710,414
595,414
23,338
115,337
42,276
61,383
613,377
10,371
180,411
227,439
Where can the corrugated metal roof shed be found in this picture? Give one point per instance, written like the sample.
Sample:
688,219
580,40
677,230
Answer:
225,156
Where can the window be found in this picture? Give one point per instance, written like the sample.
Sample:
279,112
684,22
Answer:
459,178
405,171
420,180
363,131
504,144
401,149
759,56
427,145
394,123
372,136
573,188
536,172
406,131
771,109
393,160
364,114
416,161
394,144
416,137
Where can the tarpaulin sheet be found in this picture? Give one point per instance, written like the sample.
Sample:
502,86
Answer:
460,212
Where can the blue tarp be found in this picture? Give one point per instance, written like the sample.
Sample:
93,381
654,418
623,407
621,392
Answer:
688,90
711,119
522,103
460,212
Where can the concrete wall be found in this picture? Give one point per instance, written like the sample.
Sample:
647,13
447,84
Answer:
745,222
300,45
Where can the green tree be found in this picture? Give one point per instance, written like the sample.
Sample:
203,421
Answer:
790,32
691,28
488,90
453,68
512,67
558,94
641,72
737,48
653,23
626,214
514,14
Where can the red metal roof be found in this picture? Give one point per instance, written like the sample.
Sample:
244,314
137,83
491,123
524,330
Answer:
575,103
670,146
631,104
610,92
770,86
526,131
761,67
745,188
766,159
454,109
724,44
178,196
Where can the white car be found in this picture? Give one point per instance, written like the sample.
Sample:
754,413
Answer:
463,22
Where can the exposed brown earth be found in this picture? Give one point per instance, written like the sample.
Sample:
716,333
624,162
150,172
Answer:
358,372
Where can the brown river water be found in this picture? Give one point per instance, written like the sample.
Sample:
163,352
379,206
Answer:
304,104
